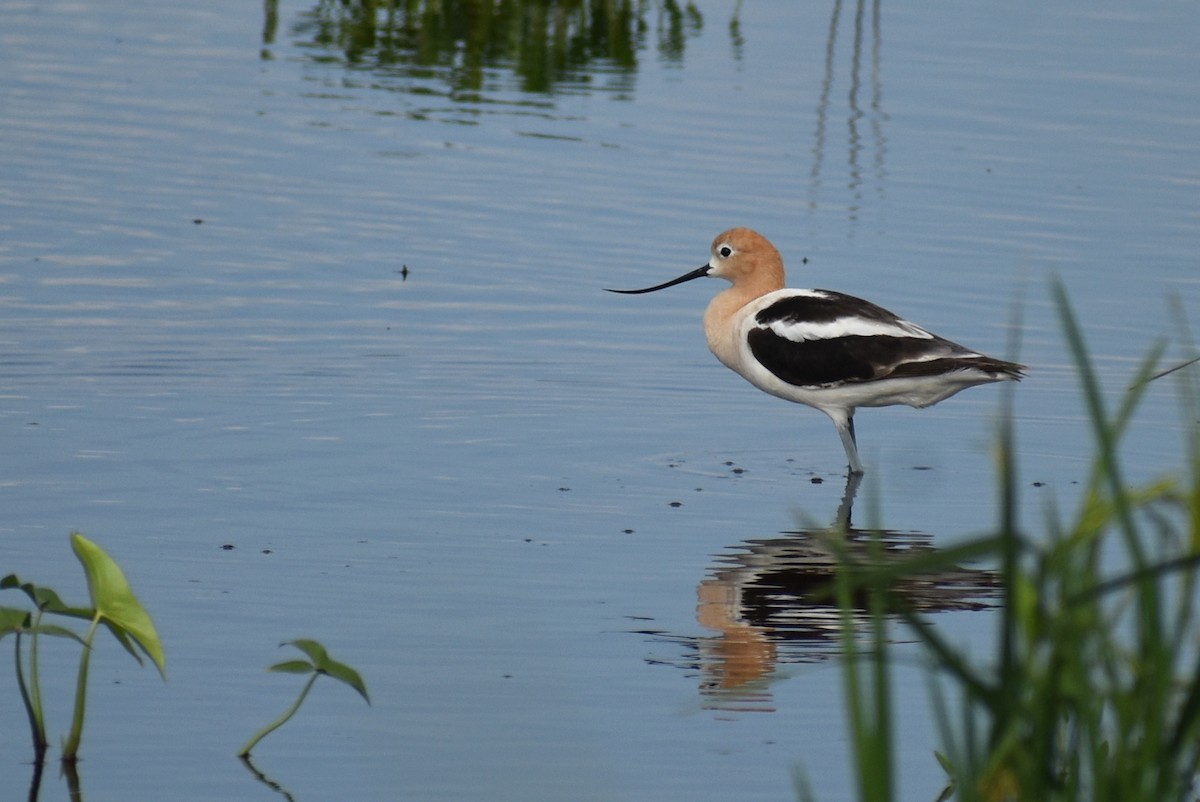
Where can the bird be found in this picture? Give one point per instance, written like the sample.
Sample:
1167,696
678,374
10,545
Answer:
825,349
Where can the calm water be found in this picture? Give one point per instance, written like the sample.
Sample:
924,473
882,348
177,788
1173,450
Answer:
331,295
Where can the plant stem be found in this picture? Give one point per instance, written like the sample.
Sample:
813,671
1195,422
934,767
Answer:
71,746
279,722
35,724
35,688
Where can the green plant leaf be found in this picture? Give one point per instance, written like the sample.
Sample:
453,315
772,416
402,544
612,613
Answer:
330,667
346,674
126,641
115,603
321,663
13,620
58,632
45,598
315,651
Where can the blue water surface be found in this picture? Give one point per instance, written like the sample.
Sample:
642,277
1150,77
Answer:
303,322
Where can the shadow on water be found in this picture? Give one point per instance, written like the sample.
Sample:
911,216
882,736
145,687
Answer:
547,43
771,602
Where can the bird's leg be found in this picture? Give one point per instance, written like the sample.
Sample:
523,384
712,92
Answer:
845,511
846,432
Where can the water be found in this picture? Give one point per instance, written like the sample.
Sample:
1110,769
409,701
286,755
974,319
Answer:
339,307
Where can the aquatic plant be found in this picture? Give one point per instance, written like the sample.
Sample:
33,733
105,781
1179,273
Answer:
113,604
18,622
1093,692
319,663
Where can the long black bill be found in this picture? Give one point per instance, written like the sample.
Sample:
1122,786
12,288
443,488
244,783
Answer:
699,272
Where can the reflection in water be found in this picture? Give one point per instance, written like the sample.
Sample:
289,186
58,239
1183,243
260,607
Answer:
69,770
265,780
270,25
770,601
735,32
35,784
855,113
545,42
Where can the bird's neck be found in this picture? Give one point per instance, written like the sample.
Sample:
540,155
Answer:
722,318
720,328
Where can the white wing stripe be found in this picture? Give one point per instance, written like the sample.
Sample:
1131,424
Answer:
799,330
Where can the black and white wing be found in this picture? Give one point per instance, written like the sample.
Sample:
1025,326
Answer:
820,338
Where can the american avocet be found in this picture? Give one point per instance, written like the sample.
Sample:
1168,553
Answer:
831,351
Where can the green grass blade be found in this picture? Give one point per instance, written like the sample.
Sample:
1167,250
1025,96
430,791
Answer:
1102,429
947,658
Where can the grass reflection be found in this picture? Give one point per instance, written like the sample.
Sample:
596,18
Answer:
544,42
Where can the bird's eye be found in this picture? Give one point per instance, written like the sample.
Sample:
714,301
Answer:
725,251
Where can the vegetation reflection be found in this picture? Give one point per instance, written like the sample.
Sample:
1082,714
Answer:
544,42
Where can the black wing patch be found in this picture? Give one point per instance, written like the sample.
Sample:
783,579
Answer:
824,308
839,359
857,358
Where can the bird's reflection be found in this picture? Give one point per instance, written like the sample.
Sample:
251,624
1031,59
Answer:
769,601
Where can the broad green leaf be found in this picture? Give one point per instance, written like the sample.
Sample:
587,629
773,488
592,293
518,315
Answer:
293,667
45,598
13,620
115,602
